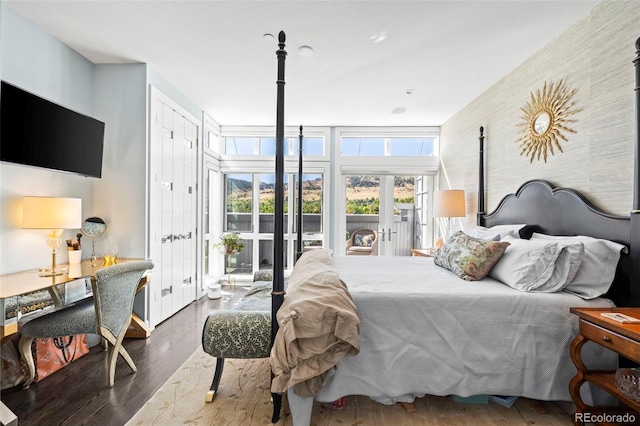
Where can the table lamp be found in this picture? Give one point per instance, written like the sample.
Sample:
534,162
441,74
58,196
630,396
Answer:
54,214
449,203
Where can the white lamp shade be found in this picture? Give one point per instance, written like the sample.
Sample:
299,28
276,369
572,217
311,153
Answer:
51,213
449,203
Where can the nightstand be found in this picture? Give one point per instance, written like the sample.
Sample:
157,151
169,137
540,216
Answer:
423,252
624,339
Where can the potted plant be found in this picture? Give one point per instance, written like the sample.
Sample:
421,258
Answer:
230,243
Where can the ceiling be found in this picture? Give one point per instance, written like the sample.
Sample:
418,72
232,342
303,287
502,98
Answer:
367,54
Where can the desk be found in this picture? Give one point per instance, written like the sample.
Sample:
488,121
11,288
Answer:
14,285
20,283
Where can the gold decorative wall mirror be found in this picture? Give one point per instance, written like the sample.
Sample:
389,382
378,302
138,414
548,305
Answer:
546,116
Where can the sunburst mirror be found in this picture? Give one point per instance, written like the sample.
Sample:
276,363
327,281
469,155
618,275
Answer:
545,118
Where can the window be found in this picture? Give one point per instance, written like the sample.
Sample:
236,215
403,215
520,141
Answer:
266,146
267,202
212,138
249,201
238,146
311,204
238,201
411,147
362,146
391,146
311,146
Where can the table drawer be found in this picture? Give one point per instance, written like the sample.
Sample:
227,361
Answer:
609,339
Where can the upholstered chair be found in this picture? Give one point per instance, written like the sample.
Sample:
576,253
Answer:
363,242
107,314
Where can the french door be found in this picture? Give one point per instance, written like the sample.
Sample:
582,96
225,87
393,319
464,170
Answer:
384,204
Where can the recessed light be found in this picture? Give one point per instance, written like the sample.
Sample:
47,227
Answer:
305,50
268,37
398,110
410,91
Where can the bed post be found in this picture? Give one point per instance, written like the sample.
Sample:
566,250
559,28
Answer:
299,222
481,209
277,294
634,250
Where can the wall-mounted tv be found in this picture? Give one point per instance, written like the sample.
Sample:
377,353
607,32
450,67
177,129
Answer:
37,132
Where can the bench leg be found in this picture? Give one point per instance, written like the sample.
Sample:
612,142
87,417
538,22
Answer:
277,404
216,380
276,398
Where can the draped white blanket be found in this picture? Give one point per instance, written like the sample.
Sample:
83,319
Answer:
425,331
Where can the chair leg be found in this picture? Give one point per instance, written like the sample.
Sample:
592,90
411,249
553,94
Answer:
216,380
122,351
25,351
117,349
127,358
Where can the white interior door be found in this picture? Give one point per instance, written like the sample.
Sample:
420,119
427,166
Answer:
177,213
188,212
172,208
167,170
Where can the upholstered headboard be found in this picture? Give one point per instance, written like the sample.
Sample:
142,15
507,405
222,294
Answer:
562,211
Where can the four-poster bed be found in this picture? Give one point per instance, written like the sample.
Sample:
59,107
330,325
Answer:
425,331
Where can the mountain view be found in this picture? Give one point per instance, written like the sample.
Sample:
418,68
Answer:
362,193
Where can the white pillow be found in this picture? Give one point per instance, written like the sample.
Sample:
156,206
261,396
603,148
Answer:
525,264
566,267
598,267
500,231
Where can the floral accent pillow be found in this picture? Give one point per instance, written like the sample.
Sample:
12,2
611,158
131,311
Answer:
363,240
468,257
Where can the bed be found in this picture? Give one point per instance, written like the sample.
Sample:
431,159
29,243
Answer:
423,330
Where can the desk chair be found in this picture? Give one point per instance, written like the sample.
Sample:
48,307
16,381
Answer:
108,315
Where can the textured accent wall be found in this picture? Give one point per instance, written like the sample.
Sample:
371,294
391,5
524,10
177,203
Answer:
595,57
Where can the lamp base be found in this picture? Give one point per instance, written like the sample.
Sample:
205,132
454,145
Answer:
52,272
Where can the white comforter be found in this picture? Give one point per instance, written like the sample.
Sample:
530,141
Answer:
425,331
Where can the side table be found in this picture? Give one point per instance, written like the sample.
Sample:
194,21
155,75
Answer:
624,339
429,252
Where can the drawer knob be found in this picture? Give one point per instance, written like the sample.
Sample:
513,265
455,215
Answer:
606,339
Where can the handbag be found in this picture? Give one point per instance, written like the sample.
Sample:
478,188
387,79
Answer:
50,354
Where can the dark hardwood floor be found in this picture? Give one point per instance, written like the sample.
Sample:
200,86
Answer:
79,393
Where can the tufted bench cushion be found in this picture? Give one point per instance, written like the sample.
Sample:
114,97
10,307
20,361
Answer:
244,331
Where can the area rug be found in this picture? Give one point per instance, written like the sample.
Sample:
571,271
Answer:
244,398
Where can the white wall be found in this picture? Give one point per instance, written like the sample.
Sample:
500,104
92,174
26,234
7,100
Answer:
120,100
156,79
36,62
595,57
114,93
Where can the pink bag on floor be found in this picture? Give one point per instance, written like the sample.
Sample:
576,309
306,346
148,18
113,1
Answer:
52,353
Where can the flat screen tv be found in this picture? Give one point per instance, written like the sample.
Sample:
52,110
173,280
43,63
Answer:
38,132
